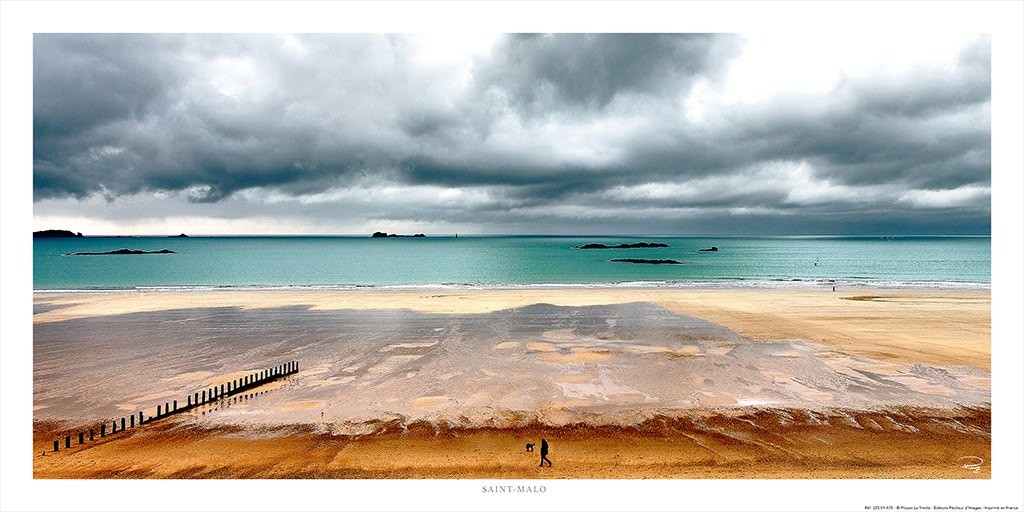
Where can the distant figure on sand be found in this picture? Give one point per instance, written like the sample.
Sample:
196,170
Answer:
544,452
529,447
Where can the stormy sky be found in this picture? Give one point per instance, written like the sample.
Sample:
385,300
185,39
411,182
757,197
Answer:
514,134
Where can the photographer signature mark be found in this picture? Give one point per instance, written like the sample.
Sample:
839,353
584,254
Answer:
971,463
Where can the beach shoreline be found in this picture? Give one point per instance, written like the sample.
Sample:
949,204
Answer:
432,372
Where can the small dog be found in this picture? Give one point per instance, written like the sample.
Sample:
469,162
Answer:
529,447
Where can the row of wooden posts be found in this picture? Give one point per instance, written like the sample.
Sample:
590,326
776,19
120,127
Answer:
197,399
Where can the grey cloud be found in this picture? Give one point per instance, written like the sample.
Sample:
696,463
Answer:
127,113
586,71
82,81
209,116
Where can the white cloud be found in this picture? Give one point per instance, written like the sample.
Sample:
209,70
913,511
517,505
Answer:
968,196
806,189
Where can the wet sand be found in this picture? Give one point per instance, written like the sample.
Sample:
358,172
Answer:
927,326
625,383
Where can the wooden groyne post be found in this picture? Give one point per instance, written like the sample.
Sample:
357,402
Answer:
196,399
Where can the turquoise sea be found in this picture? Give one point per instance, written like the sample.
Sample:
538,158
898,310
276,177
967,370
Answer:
511,261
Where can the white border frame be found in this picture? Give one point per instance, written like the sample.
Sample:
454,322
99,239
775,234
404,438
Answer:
19,20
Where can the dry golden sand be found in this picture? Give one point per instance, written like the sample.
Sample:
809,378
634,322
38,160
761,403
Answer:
935,327
939,327
751,445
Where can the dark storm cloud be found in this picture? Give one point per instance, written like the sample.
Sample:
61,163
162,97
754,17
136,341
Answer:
584,71
121,114
574,130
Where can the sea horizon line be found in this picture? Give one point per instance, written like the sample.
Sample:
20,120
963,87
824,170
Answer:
501,235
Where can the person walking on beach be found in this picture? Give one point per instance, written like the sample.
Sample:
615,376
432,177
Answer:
544,452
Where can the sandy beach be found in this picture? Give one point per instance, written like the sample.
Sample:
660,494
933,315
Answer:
625,383
738,445
931,326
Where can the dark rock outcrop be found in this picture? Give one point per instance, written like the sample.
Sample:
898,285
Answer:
120,252
183,235
381,234
638,245
710,249
647,262
55,233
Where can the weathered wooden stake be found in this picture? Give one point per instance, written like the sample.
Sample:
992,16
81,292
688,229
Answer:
122,422
91,434
141,420
204,396
158,411
67,441
132,422
103,429
56,445
175,404
81,438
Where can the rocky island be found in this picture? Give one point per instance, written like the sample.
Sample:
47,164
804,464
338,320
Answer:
55,233
648,262
381,234
120,252
637,245
713,248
